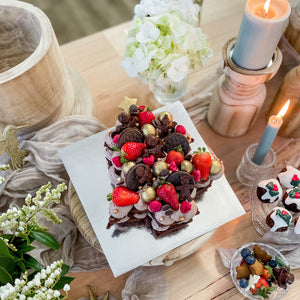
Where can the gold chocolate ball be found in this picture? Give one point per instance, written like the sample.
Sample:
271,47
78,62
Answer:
148,129
216,167
163,113
148,194
159,166
128,165
186,166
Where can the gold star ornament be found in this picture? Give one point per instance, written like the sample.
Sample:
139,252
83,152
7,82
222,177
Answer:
126,103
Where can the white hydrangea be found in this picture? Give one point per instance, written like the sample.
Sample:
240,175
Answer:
163,43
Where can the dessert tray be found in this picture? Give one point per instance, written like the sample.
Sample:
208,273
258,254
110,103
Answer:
86,165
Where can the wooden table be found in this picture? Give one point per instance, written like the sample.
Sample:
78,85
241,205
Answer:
97,58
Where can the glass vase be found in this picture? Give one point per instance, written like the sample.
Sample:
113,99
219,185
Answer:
170,92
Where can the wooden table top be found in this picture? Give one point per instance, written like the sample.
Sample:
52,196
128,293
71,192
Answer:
97,58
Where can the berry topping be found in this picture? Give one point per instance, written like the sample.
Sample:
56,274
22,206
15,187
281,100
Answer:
250,260
185,207
203,161
295,177
197,175
272,263
245,252
180,129
243,283
146,117
132,150
155,206
148,160
297,195
167,192
175,156
117,161
141,107
116,138
275,187
122,196
173,166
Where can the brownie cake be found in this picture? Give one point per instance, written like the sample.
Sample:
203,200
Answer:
155,175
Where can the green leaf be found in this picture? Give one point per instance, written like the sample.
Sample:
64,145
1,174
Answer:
27,249
21,265
45,239
62,281
7,266
109,197
4,250
32,263
64,269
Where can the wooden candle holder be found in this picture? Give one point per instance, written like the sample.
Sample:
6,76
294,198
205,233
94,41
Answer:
289,89
36,87
239,94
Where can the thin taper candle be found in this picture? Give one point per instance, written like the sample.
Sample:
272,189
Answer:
267,139
269,135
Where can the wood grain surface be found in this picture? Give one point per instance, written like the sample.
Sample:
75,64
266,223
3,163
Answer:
200,276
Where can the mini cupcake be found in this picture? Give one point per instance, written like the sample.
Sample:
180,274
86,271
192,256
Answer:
289,177
279,219
291,199
269,190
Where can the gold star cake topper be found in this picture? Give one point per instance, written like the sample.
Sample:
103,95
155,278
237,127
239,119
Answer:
126,103
9,144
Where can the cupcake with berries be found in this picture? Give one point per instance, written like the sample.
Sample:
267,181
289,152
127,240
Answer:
289,177
279,219
291,199
269,190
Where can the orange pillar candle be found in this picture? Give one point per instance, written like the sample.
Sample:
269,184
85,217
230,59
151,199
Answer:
262,25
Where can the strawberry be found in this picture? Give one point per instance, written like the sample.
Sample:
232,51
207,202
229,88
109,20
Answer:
266,274
202,160
258,286
132,150
146,117
122,196
167,192
175,156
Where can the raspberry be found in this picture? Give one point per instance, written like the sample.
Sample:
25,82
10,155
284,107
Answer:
180,129
116,138
185,207
155,206
197,175
148,160
173,166
117,161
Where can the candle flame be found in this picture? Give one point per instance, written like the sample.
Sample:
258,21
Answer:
266,6
283,109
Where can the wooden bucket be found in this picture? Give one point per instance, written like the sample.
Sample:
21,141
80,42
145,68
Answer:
35,87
